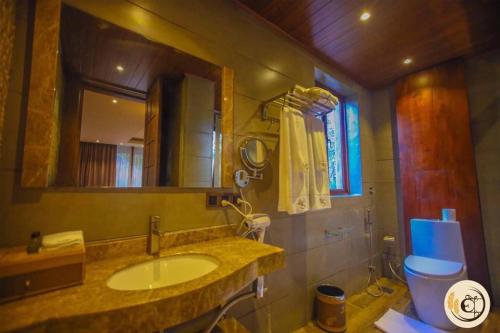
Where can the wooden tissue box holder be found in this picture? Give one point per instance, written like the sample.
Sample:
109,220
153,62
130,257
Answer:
23,274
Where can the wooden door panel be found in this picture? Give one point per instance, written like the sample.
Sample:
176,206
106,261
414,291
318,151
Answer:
71,123
435,189
152,135
436,156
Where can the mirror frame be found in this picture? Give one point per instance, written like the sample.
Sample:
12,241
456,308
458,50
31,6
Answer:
41,141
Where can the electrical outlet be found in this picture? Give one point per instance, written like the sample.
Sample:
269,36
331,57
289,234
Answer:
236,197
212,200
225,196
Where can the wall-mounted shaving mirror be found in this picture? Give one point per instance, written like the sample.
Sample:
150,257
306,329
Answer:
131,112
255,156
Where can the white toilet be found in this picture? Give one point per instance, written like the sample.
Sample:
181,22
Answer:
437,262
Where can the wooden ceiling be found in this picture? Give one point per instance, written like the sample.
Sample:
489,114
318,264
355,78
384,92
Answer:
372,52
92,49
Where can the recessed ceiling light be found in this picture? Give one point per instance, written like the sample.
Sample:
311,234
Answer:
120,68
121,143
407,61
114,101
97,141
365,16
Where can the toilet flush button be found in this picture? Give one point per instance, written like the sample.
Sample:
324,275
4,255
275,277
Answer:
467,304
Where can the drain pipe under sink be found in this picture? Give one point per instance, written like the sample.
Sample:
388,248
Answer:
258,291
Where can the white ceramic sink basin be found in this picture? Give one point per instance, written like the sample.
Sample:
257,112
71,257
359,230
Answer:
163,272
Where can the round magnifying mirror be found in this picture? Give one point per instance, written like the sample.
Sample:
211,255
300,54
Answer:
255,153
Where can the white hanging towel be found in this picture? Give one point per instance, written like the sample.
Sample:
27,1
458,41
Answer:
319,182
293,163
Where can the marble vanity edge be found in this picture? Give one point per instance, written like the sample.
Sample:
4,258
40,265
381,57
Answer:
155,316
270,263
113,248
160,314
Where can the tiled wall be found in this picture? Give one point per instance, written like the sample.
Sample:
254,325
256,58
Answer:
311,259
483,83
265,64
386,168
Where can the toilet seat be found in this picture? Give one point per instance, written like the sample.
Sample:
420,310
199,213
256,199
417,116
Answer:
432,267
437,263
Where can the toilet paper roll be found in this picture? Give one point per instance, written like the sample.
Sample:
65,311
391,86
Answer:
448,214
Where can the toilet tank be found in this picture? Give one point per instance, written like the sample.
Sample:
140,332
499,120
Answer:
437,239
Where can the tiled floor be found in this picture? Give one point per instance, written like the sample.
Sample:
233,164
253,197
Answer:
363,310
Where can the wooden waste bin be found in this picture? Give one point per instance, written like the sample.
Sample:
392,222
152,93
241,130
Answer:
330,308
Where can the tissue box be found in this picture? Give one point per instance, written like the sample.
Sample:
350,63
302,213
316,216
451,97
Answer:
23,274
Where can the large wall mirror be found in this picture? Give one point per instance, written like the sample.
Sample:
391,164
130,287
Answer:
131,112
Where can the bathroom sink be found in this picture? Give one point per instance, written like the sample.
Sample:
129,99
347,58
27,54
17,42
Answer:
163,272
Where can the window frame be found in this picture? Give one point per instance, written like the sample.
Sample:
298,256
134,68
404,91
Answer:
343,136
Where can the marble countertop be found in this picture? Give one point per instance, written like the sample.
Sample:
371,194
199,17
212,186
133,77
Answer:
94,307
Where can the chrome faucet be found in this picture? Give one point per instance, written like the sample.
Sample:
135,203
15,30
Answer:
154,235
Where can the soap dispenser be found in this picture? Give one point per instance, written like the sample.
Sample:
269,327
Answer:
35,242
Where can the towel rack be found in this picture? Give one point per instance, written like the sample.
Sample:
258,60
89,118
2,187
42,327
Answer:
297,99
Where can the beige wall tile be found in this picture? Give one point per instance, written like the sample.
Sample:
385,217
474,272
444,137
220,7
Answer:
384,171
288,233
483,84
357,277
325,261
487,165
486,133
385,202
384,147
289,312
258,321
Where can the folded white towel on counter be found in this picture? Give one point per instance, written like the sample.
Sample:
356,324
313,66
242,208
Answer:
62,239
319,181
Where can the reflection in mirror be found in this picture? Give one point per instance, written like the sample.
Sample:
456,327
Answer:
257,152
255,156
135,112
111,141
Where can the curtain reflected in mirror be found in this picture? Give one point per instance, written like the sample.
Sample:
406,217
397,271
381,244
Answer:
97,164
104,165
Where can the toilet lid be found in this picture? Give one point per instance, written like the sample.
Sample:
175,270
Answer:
433,267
